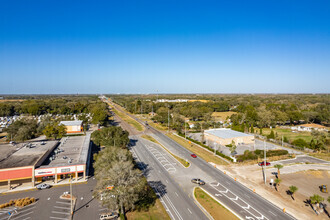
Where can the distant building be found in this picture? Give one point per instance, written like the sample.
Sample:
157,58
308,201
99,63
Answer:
224,136
309,127
73,126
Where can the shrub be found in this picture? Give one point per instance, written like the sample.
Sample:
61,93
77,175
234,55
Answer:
33,199
300,143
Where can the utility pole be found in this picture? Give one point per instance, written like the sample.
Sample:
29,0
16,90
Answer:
265,162
185,133
71,195
168,119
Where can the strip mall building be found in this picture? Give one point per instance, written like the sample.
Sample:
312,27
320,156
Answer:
44,160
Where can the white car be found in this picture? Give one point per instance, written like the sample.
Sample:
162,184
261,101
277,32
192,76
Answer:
43,186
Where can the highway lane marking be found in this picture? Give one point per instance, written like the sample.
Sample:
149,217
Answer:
247,208
166,181
176,194
272,213
189,210
27,218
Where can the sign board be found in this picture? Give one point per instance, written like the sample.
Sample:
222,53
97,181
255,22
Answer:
44,172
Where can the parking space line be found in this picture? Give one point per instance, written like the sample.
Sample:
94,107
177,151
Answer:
66,203
20,216
58,218
59,207
63,213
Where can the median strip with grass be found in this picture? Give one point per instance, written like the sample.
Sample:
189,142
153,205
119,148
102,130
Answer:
199,151
128,119
215,209
185,163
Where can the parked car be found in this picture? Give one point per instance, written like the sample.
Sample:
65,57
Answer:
43,186
263,163
324,188
112,215
198,181
193,155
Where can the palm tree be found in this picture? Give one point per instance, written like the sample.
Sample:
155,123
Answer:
277,182
293,189
316,199
278,167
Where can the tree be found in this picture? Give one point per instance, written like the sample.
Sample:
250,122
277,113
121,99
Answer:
316,199
293,190
278,167
277,182
232,148
271,135
22,130
111,136
54,130
114,167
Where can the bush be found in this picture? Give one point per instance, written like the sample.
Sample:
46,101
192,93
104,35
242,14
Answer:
253,155
300,143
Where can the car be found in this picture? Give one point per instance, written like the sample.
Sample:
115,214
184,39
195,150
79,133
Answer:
193,155
263,163
198,181
324,188
43,186
111,215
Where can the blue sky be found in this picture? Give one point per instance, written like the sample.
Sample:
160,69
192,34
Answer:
167,46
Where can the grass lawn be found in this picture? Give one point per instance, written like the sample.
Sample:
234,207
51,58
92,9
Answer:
222,115
182,161
157,212
199,151
306,136
129,120
215,209
321,155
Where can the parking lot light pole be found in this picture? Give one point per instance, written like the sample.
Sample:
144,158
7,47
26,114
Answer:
71,195
265,163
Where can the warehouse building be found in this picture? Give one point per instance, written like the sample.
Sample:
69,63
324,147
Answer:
44,160
224,136
73,126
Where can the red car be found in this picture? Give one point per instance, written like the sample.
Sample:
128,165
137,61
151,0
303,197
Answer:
193,155
263,163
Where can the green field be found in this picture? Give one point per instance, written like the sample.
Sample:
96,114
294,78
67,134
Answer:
306,136
156,212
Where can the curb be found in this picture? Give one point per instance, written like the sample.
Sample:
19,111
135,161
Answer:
200,206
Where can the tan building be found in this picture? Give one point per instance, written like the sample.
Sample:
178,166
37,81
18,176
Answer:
73,126
224,136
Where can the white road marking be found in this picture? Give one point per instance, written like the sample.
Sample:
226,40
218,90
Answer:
176,194
58,218
66,203
272,213
166,181
59,207
20,216
189,210
63,213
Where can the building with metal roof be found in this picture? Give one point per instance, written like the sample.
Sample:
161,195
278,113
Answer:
73,126
224,136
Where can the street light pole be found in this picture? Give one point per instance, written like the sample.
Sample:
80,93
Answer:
168,119
265,163
185,133
71,195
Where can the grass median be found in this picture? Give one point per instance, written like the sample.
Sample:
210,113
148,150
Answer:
128,119
199,151
215,209
182,161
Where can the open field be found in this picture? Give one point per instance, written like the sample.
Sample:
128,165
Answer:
182,161
156,212
199,151
321,155
289,134
222,115
11,100
199,100
129,120
216,210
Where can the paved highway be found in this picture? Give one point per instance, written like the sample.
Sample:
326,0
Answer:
235,196
159,170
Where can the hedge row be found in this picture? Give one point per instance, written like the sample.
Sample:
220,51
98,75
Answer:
18,202
253,155
207,147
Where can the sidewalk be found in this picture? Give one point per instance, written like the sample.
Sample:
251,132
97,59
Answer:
28,186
